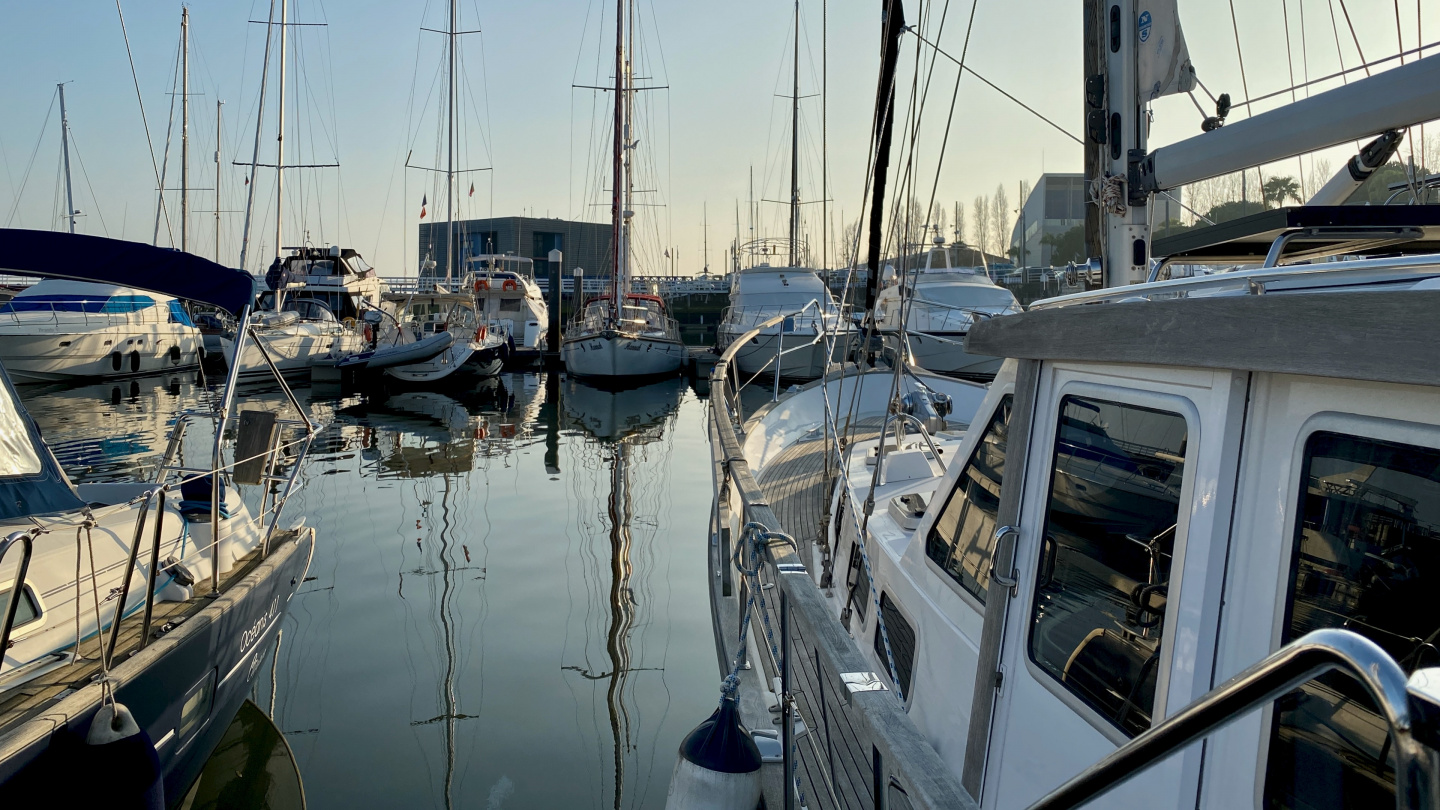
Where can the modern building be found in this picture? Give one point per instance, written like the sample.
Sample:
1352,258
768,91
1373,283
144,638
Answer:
1057,204
584,244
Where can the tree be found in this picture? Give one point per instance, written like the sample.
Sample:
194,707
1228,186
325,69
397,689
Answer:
1279,189
1002,220
982,223
1066,247
1233,209
959,223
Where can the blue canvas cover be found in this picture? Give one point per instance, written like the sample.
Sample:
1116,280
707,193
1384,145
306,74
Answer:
31,482
79,257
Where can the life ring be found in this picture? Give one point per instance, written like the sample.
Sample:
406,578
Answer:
509,285
480,333
349,323
482,284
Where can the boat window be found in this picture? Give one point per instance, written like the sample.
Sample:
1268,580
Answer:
1366,557
25,612
902,642
17,449
511,304
963,536
966,295
1104,568
196,706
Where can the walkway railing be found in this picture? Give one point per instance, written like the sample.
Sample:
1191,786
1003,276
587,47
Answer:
858,748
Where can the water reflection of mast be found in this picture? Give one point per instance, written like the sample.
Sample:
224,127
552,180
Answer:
446,590
617,642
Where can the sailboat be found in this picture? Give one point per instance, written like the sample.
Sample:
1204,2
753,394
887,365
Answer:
622,334
316,296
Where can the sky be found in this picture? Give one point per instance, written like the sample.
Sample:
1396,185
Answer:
366,89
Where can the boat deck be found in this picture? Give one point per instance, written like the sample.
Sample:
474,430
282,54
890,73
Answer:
26,701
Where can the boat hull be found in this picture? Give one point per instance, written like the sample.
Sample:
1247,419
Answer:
948,356
610,354
225,644
294,348
109,351
435,368
799,361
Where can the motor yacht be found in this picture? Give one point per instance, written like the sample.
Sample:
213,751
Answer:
812,335
508,299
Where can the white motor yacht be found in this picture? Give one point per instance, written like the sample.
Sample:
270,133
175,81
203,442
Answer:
65,330
812,335
508,298
933,309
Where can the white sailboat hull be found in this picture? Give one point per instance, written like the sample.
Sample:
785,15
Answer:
35,353
613,354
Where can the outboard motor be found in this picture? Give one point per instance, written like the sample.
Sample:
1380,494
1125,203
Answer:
929,407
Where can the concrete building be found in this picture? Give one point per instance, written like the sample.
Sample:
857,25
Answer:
585,244
1057,204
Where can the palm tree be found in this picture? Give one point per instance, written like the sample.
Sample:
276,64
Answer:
1279,189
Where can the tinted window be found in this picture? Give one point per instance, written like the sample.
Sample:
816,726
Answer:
961,540
1366,558
1104,568
25,612
902,642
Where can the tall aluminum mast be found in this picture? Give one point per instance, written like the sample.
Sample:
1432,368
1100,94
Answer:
280,139
184,128
616,229
795,150
65,151
218,104
450,164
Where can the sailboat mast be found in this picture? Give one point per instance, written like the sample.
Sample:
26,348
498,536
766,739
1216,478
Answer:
628,156
795,149
280,139
450,164
218,105
65,152
259,127
616,232
184,128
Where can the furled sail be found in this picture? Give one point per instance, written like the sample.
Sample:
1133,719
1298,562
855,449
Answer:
1164,60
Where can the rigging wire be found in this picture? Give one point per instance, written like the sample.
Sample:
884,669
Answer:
998,89
74,147
1353,36
146,122
25,178
1245,85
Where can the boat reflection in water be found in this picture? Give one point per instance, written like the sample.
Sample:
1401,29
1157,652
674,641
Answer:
628,428
252,768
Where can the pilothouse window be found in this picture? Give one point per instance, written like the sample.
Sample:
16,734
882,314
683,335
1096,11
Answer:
963,536
1366,558
1104,568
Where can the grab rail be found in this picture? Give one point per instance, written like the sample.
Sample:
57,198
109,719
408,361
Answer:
875,744
1301,661
26,539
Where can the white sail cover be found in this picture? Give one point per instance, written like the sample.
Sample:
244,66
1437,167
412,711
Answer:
1164,60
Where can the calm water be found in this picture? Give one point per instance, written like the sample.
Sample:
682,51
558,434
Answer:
508,604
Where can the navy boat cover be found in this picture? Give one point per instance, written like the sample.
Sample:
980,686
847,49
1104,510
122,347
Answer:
54,254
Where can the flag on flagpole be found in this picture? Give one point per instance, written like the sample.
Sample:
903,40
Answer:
424,200
472,189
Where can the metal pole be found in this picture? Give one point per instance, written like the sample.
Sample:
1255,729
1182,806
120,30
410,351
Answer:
227,399
184,128
794,158
255,157
779,350
617,180
552,351
125,587
279,144
65,150
17,589
154,568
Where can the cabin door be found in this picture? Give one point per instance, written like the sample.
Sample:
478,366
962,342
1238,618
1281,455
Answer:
1120,499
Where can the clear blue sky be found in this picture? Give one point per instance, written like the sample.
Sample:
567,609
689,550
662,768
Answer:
723,63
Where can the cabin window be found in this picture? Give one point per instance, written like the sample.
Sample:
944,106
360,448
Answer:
196,706
25,612
1366,557
902,642
963,536
17,451
511,304
1104,568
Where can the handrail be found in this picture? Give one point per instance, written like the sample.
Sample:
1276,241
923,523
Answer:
17,589
900,755
1296,663
900,419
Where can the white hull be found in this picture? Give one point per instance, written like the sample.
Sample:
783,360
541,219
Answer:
611,354
948,356
294,347
799,362
436,368
34,353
